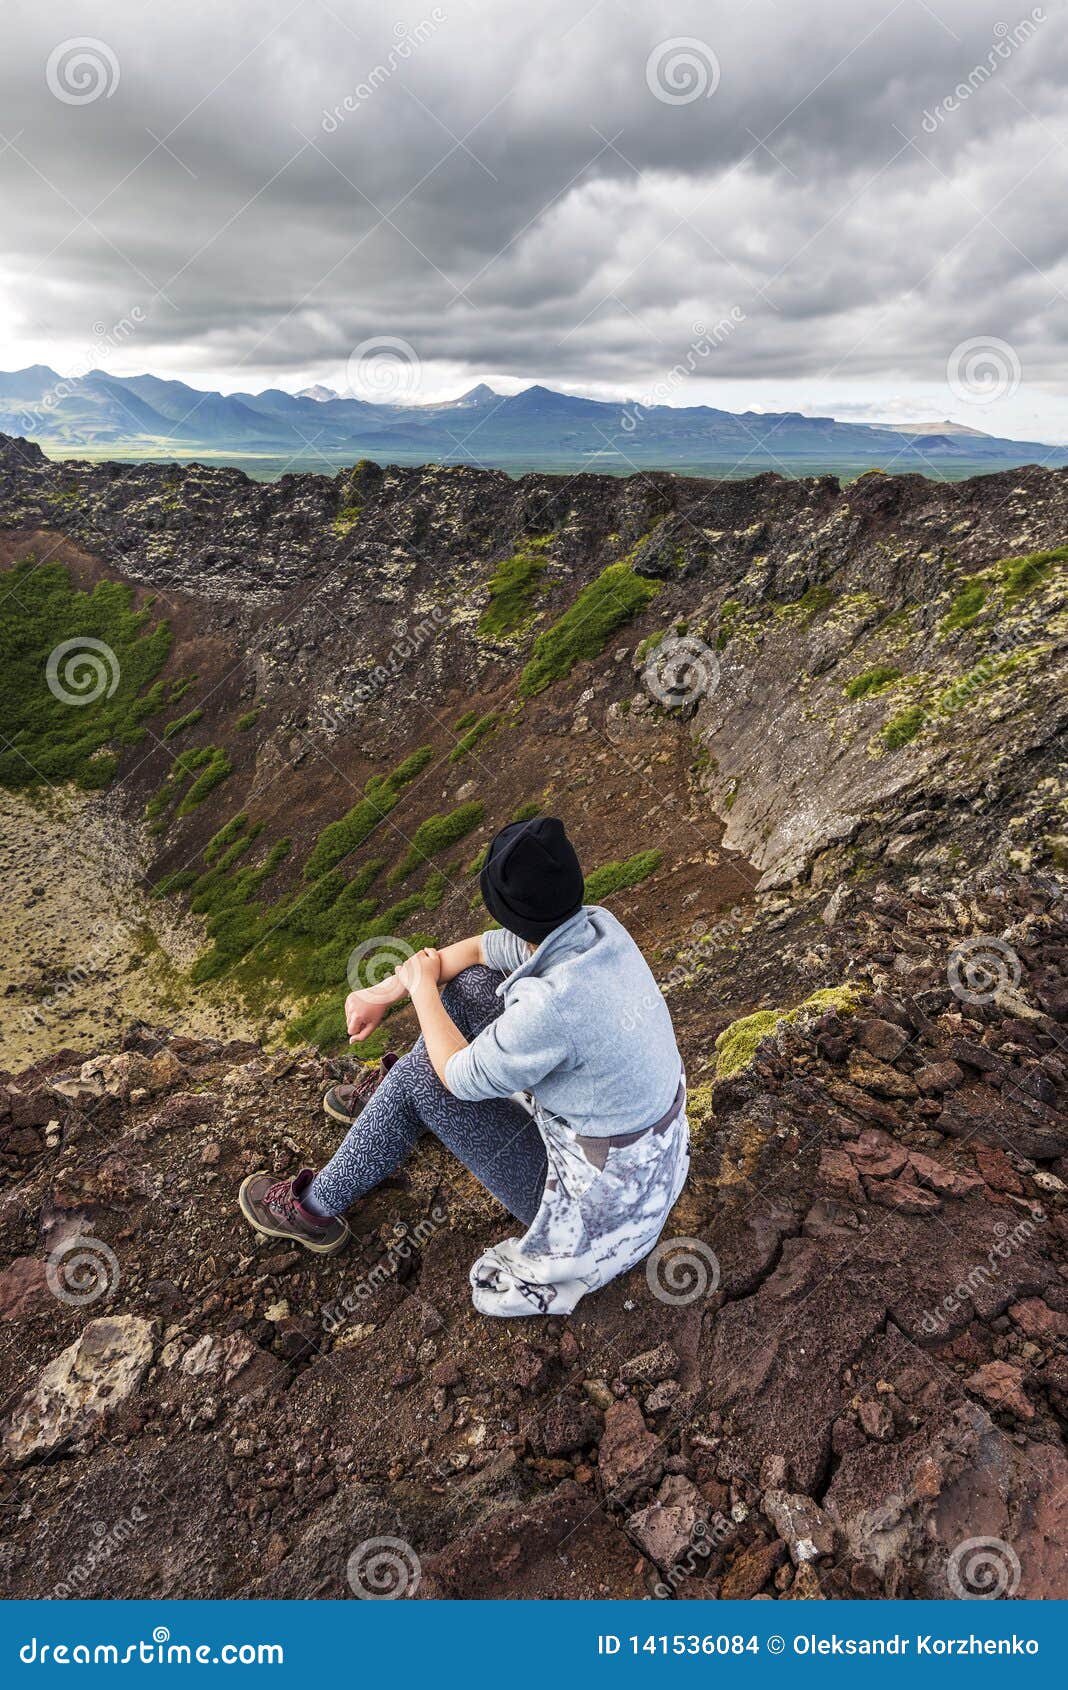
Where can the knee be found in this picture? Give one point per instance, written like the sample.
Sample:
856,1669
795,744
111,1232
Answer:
475,985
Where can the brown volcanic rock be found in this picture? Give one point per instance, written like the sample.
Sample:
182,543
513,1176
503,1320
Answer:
560,1547
628,1451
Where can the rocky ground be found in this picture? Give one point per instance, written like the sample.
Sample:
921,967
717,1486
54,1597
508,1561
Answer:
849,1364
85,950
828,723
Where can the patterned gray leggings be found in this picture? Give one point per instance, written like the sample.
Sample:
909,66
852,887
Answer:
498,1141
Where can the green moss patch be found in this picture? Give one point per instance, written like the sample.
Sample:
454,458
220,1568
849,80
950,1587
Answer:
346,520
192,776
180,723
730,613
438,833
585,628
903,727
481,729
872,681
514,588
737,1044
380,795
1021,575
77,676
1010,579
805,609
967,606
216,769
615,877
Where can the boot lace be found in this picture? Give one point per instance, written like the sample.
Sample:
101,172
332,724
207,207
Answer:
280,1197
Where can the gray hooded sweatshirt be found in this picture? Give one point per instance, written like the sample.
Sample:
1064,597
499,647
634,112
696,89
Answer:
585,1030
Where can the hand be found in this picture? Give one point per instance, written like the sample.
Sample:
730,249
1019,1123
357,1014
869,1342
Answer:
363,1011
421,970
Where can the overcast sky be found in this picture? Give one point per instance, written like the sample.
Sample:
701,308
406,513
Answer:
869,198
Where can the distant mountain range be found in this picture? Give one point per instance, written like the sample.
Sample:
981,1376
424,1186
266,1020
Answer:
135,417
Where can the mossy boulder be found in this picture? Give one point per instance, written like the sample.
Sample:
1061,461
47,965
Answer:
737,1044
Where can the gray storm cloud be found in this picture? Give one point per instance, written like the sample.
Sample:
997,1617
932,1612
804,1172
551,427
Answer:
537,191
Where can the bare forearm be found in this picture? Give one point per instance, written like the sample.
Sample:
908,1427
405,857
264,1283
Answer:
466,953
443,1037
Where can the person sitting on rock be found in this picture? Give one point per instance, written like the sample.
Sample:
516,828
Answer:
547,1064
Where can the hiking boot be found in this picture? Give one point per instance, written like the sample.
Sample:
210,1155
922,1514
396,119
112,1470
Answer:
344,1102
275,1210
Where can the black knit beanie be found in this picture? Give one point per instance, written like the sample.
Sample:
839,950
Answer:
531,881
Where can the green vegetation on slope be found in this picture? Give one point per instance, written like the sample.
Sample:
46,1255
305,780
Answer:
903,726
872,681
301,946
1011,577
438,833
614,877
74,669
180,723
514,587
480,729
737,1044
381,794
199,771
584,629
